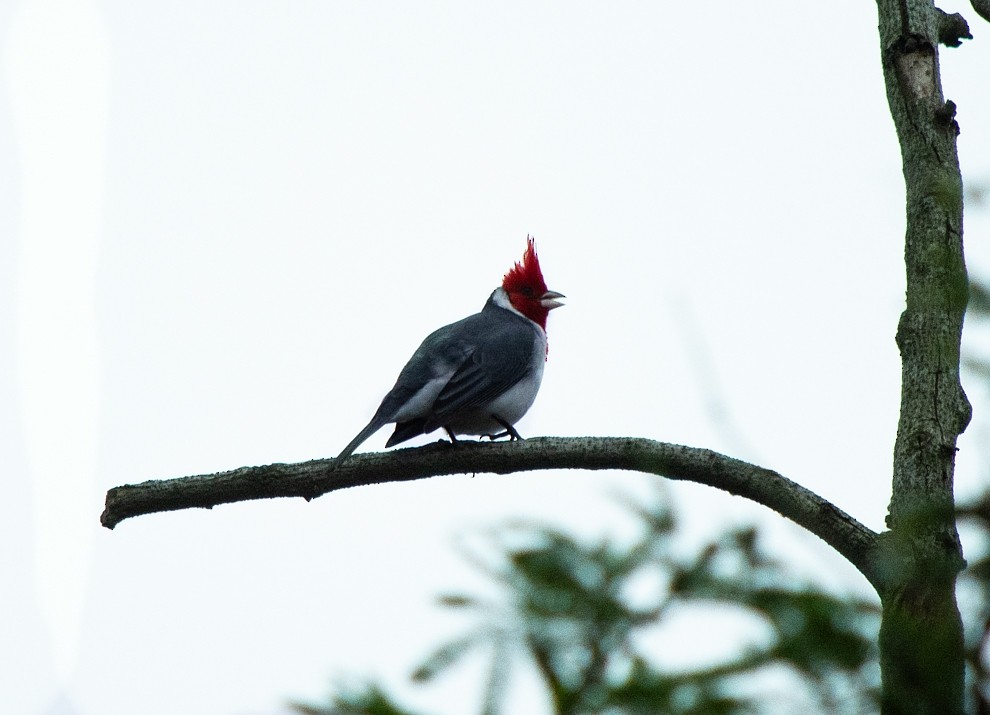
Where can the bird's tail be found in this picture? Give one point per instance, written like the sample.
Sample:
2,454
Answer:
376,424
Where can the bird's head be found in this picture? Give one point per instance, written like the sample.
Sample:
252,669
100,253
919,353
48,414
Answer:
527,290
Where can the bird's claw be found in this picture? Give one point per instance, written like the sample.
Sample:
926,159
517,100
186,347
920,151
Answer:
509,430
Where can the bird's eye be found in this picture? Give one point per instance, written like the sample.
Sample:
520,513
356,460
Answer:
527,291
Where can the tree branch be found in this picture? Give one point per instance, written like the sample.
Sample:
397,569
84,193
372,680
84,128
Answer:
921,636
312,479
952,29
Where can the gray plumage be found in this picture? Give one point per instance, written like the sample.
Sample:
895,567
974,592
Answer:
476,376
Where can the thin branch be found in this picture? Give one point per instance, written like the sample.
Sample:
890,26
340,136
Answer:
952,29
312,479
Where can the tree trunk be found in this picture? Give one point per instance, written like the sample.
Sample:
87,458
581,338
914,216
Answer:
921,640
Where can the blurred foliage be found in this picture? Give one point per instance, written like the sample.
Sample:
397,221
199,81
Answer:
580,613
566,608
976,608
977,193
365,699
975,580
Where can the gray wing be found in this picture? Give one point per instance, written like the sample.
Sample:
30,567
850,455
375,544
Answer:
503,356
485,354
442,352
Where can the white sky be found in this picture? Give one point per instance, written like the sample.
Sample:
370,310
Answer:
225,226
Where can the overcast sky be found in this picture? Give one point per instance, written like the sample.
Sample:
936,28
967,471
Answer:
225,226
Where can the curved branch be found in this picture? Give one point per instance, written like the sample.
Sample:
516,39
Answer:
312,479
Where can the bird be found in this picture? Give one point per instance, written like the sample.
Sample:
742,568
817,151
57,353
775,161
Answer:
477,376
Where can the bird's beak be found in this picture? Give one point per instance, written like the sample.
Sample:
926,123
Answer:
550,299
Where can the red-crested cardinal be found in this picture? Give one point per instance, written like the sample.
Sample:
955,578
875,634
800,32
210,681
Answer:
479,375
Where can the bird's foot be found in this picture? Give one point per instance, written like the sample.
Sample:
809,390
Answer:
450,433
510,431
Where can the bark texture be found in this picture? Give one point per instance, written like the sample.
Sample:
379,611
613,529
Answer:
921,635
312,479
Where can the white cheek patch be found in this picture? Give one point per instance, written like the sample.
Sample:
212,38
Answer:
501,299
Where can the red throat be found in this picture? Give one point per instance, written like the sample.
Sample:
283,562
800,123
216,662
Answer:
525,286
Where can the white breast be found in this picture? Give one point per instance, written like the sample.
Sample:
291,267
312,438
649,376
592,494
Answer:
512,404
